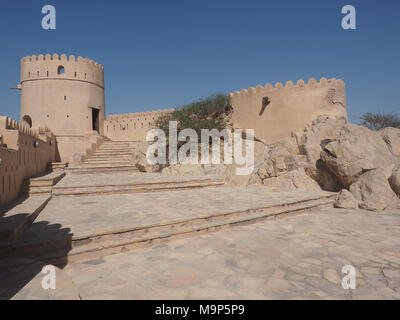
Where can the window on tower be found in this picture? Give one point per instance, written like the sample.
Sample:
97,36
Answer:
60,70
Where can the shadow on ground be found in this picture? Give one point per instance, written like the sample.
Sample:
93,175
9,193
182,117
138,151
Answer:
21,263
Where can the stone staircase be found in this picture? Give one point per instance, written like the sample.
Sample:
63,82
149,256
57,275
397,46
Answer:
111,156
67,248
128,182
126,209
43,186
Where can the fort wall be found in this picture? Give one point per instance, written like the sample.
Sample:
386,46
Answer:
131,127
274,112
24,153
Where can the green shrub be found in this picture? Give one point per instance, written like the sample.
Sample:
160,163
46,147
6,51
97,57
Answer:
379,120
208,113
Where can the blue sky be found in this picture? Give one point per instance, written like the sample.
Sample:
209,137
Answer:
162,54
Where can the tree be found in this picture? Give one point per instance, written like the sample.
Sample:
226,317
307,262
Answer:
379,120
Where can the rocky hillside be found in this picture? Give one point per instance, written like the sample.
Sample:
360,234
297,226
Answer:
330,154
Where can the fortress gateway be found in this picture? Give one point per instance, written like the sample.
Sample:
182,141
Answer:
63,115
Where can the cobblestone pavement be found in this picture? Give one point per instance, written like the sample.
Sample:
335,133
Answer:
297,257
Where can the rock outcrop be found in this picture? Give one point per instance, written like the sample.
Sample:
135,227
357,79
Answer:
330,154
373,191
356,151
292,180
346,200
394,181
392,138
139,158
278,158
311,142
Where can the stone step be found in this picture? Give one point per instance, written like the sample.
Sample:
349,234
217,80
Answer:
122,145
113,147
58,166
125,150
87,169
136,187
100,245
114,157
43,185
15,218
105,159
109,164
110,154
109,161
114,142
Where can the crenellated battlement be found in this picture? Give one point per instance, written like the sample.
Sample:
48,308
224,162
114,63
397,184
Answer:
127,116
7,123
24,153
275,111
301,84
41,67
131,126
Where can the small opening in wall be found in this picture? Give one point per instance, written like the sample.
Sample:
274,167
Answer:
48,116
27,121
265,103
85,75
67,115
47,73
60,70
75,74
38,73
29,74
65,98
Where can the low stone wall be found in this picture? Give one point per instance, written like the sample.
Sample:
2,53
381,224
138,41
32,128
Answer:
131,127
20,158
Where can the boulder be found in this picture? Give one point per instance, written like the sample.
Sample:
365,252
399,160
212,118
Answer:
356,151
324,129
373,191
278,158
394,181
293,180
392,138
139,150
346,200
286,146
144,166
312,141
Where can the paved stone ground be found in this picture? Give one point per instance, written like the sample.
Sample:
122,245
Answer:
297,257
77,217
124,178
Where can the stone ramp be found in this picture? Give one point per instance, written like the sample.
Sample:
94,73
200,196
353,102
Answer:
71,229
128,182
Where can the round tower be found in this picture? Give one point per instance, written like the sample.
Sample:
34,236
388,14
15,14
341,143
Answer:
64,94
